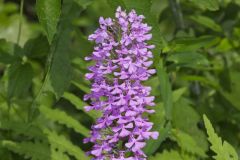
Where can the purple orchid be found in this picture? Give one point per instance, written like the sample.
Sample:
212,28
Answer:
121,57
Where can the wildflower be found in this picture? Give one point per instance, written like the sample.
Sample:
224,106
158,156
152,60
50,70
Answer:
122,62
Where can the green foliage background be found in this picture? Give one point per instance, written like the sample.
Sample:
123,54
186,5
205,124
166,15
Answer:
197,57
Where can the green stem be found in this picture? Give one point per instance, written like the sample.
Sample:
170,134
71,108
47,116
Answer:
177,13
20,22
32,109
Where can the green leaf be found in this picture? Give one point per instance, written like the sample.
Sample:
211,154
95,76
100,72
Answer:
188,124
211,5
80,85
35,151
223,150
193,44
177,94
115,4
7,52
188,59
20,79
59,72
166,92
84,3
37,47
160,124
48,13
56,154
201,79
206,22
86,47
22,128
60,143
79,104
62,118
167,155
187,143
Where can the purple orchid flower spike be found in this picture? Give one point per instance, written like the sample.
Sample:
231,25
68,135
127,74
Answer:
122,60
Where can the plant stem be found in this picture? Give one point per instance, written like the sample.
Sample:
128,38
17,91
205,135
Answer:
177,13
20,22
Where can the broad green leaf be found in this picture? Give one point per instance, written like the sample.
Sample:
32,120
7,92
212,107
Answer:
65,119
224,46
80,104
37,47
20,79
167,155
211,5
86,47
7,50
48,12
59,69
206,22
177,94
223,150
188,124
6,58
187,143
33,150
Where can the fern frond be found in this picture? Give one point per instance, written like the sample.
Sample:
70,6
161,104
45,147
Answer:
22,128
62,118
62,144
223,150
59,155
81,86
187,143
35,151
79,104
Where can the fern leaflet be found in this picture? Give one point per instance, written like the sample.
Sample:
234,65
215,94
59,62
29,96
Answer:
62,118
60,143
35,151
223,150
